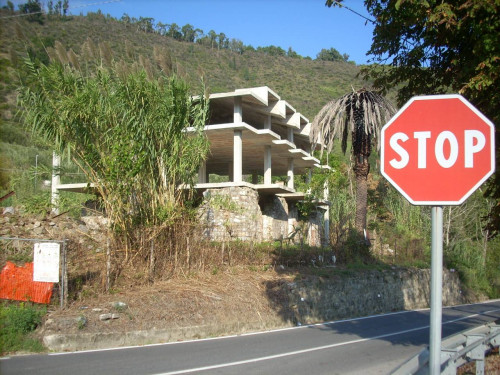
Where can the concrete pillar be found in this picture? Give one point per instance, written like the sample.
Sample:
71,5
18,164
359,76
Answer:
237,142
326,217
238,110
267,165
238,156
267,122
202,173
56,181
290,182
289,135
326,223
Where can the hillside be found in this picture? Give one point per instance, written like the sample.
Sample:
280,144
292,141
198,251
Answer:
306,84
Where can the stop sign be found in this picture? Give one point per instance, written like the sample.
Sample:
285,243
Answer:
437,150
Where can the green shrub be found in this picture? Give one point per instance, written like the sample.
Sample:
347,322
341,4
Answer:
36,203
17,321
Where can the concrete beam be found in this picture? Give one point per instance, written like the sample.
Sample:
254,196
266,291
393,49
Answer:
278,108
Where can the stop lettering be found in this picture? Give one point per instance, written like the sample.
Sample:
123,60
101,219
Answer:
437,150
474,141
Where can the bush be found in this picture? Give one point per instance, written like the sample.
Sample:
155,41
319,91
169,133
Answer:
17,321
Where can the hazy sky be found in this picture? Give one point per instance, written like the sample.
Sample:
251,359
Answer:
305,25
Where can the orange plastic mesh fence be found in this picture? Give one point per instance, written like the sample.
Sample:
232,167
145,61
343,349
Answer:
16,283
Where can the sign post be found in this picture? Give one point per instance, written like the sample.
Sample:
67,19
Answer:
436,289
437,150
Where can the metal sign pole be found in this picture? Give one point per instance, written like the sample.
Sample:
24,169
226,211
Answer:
436,290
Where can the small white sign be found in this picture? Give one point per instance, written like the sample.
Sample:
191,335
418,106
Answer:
46,262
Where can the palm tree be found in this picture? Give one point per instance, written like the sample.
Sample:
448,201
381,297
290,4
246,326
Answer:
362,114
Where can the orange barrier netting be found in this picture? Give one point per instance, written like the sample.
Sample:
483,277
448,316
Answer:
16,283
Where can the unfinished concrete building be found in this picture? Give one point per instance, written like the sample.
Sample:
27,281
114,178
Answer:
258,144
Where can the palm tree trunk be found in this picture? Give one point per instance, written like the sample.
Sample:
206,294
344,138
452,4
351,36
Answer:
361,170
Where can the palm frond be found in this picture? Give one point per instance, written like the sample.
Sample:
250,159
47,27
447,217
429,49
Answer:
337,118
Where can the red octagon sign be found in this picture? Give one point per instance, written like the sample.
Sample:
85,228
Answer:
437,150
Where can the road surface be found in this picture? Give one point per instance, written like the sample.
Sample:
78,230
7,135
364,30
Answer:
370,345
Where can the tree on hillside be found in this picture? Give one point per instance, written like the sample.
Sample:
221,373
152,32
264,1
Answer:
10,6
125,18
272,50
34,10
291,53
331,55
174,31
65,7
212,35
146,24
432,47
161,28
58,8
361,114
236,45
188,33
222,41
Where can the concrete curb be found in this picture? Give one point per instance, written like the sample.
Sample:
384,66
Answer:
105,340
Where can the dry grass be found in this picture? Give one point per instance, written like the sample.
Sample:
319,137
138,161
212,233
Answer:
233,297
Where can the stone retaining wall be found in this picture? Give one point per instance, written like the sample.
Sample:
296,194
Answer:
311,300
373,292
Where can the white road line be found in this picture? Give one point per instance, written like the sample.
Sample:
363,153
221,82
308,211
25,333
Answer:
266,358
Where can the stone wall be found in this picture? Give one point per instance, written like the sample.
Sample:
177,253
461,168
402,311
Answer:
275,218
315,228
316,299
231,213
240,213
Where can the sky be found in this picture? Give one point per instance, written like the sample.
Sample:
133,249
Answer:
305,25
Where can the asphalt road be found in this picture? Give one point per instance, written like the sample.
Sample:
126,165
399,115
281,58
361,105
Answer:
371,345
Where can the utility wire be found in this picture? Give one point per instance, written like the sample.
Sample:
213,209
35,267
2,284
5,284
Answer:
352,10
75,7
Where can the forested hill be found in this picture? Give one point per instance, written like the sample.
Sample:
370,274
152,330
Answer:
307,84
